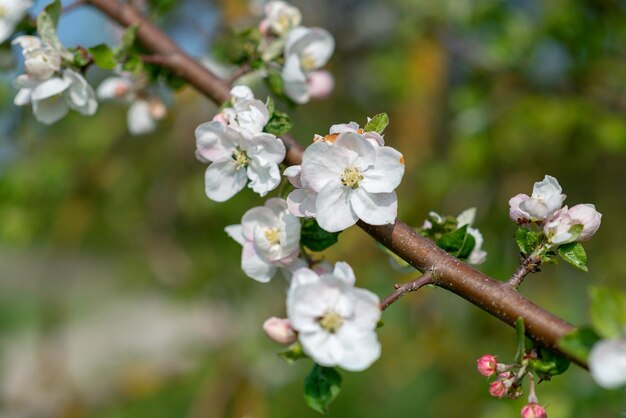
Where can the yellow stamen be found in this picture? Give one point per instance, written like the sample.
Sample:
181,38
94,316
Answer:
351,177
241,158
331,321
272,236
3,11
307,62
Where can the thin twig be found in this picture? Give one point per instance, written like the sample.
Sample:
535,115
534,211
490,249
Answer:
528,265
243,70
403,289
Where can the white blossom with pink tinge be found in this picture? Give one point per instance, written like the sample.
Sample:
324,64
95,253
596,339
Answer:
546,199
559,229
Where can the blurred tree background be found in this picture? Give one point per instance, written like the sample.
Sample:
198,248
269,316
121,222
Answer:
121,295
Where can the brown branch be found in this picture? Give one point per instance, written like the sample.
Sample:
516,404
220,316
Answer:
72,6
239,72
403,289
494,297
528,265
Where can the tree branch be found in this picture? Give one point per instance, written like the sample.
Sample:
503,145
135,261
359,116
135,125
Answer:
494,297
403,289
528,265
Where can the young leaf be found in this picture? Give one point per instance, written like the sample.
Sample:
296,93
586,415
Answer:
321,387
526,240
578,343
377,124
279,124
314,237
46,25
294,352
549,364
128,40
608,312
574,253
458,243
103,56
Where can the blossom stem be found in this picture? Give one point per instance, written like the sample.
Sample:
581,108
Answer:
239,72
403,289
528,265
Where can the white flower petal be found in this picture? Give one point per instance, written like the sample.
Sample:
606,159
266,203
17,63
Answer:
255,266
115,88
607,363
360,153
51,109
22,97
236,233
267,149
293,174
263,177
387,172
344,272
223,180
139,118
333,208
215,142
49,88
260,216
301,203
375,208
323,164
81,96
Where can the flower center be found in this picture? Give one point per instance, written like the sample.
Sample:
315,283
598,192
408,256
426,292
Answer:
307,62
351,177
272,235
241,158
3,11
331,321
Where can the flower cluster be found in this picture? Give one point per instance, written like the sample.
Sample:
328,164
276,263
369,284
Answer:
50,84
270,237
145,110
346,176
561,225
11,14
238,150
304,50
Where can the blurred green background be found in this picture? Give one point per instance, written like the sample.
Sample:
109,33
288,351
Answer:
121,296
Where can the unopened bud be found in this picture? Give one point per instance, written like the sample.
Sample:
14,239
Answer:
279,330
320,84
487,365
157,109
533,410
497,389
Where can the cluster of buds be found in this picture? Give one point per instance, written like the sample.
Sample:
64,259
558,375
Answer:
509,384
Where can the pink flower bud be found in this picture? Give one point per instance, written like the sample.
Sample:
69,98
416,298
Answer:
497,389
589,217
157,109
533,410
279,330
515,212
264,26
320,84
487,365
220,118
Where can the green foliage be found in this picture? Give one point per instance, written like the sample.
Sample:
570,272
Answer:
47,22
377,124
126,45
527,240
578,343
321,387
275,83
103,56
314,237
294,352
548,363
161,7
574,253
239,47
608,312
458,243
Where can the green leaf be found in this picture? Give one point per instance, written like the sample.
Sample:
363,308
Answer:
549,364
377,124
608,312
577,344
279,124
294,352
126,45
574,253
46,25
527,240
321,387
458,243
275,83
314,237
103,56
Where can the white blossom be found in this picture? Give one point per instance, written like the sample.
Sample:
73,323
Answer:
145,110
235,160
336,322
545,200
559,228
51,90
11,13
607,363
280,17
478,255
306,50
352,179
270,237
